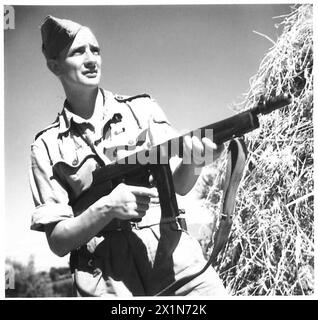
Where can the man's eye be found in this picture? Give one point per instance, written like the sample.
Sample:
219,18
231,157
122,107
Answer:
96,51
77,52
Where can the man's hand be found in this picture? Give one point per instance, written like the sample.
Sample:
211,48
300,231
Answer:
201,152
130,202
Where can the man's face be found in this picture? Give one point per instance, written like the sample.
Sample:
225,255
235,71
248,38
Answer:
80,63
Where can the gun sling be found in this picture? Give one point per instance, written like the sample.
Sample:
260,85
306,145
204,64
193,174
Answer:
236,158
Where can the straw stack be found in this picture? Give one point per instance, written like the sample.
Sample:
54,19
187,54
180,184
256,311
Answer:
271,246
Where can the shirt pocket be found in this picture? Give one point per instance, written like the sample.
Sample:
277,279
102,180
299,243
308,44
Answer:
132,143
75,168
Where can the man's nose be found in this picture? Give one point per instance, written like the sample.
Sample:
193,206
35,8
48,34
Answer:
90,59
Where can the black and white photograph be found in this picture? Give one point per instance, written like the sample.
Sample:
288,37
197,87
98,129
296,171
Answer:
158,150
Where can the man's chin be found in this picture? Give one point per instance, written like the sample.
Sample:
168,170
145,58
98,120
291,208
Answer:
93,82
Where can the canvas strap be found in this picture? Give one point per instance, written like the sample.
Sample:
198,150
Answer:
236,158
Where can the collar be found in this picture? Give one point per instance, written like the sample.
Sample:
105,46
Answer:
67,118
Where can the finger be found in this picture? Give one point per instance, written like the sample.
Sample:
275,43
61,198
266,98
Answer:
142,207
128,211
136,210
209,143
187,144
209,148
143,191
140,213
155,200
198,146
142,199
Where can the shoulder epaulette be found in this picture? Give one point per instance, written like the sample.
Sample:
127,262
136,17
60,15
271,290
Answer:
52,125
122,99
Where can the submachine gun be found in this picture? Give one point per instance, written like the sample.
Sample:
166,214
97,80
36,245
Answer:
137,168
140,167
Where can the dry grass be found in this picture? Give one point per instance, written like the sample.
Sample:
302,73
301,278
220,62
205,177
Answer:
271,246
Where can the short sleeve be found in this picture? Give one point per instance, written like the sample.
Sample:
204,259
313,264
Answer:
50,198
163,131
150,116
160,127
157,113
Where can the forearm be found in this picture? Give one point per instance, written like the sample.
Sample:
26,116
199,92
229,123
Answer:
70,234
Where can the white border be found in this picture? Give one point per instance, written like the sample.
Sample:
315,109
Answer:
131,2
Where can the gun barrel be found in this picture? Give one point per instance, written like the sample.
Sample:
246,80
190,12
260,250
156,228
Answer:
271,104
234,127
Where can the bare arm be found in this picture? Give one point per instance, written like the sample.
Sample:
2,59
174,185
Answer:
71,233
124,202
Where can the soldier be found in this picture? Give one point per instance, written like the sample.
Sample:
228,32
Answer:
110,254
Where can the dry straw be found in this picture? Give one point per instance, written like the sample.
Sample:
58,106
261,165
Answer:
271,246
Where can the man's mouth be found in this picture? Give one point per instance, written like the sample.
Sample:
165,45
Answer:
90,73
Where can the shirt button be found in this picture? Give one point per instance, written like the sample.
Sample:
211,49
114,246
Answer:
75,162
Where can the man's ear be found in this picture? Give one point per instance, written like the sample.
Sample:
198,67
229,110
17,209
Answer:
54,66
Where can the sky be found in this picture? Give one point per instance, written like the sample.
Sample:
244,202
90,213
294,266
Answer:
195,60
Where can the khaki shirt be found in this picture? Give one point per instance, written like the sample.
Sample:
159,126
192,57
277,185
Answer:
64,155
